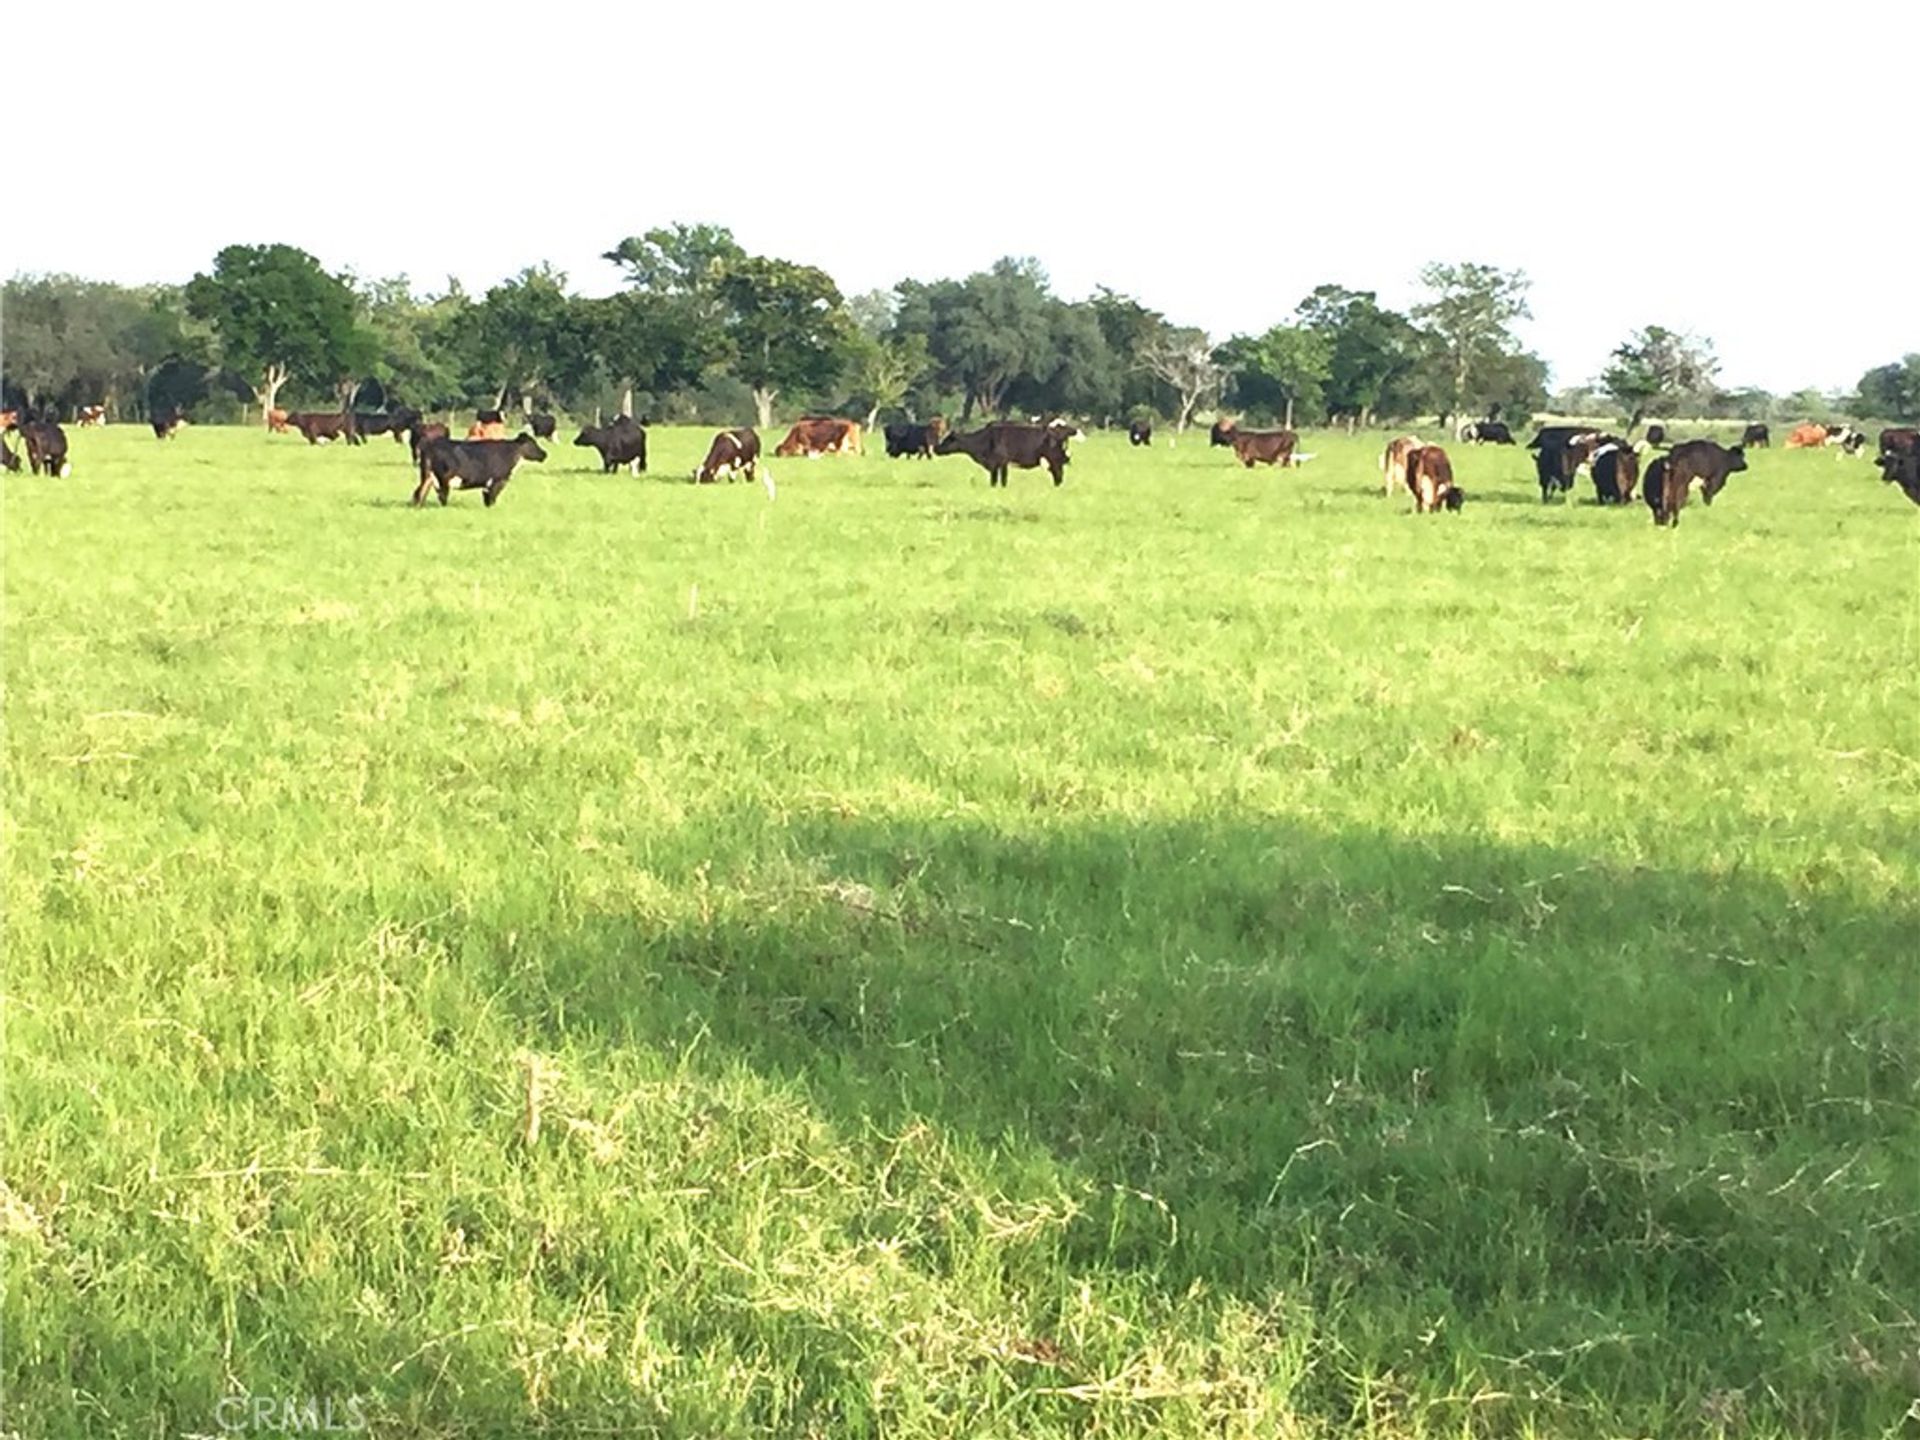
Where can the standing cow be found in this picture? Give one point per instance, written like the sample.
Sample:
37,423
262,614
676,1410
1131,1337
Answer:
1694,462
1616,470
483,465
997,446
624,442
1140,432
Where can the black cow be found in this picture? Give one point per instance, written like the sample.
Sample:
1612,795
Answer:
996,447
375,422
905,439
735,451
624,442
1901,440
1140,432
483,465
1220,433
542,424
400,420
1690,462
167,422
1616,470
423,431
1561,451
1656,435
1486,432
1756,435
1902,468
46,448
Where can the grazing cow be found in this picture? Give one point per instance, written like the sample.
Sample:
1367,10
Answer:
422,432
736,452
1001,444
487,430
1486,432
542,424
1393,463
277,422
46,448
1561,451
1902,468
1616,470
1693,462
167,422
1140,432
1850,440
1430,477
624,442
907,439
1656,435
483,465
1806,437
1264,447
1756,435
319,427
91,415
820,435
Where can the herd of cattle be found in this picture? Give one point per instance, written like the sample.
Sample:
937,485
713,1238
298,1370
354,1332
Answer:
485,458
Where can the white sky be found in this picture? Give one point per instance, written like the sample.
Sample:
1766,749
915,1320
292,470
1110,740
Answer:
1695,166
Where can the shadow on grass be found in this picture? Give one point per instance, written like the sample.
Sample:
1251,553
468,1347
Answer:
1557,1103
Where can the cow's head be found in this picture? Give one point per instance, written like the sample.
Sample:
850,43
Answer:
589,436
528,447
1453,497
1736,459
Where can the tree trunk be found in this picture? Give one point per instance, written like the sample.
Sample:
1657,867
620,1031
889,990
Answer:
763,399
500,398
626,404
1289,420
872,415
268,390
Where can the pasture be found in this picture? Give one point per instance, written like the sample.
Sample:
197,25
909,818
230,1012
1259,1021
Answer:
1196,952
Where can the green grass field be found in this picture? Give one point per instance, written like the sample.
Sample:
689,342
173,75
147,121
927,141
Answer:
1195,952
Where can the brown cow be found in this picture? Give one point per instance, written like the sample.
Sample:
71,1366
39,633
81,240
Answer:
820,435
1264,447
734,451
91,415
277,421
1394,462
1672,476
319,427
487,430
1806,437
1430,477
423,432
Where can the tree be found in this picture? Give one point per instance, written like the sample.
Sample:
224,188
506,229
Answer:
276,314
1282,369
1371,350
785,324
986,332
1182,360
882,371
671,325
1891,392
1132,332
73,342
1655,367
525,336
417,356
1471,314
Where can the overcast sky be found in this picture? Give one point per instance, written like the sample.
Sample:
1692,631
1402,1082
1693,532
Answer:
1677,164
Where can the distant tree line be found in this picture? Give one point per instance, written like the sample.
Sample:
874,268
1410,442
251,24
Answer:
704,330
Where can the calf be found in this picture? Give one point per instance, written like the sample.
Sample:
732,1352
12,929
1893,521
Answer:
483,465
277,422
907,439
91,415
1486,432
46,448
624,442
1140,432
1616,470
167,422
734,451
1264,447
1393,464
1693,462
1430,477
422,431
1850,440
1003,444
542,424
1755,435
319,428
